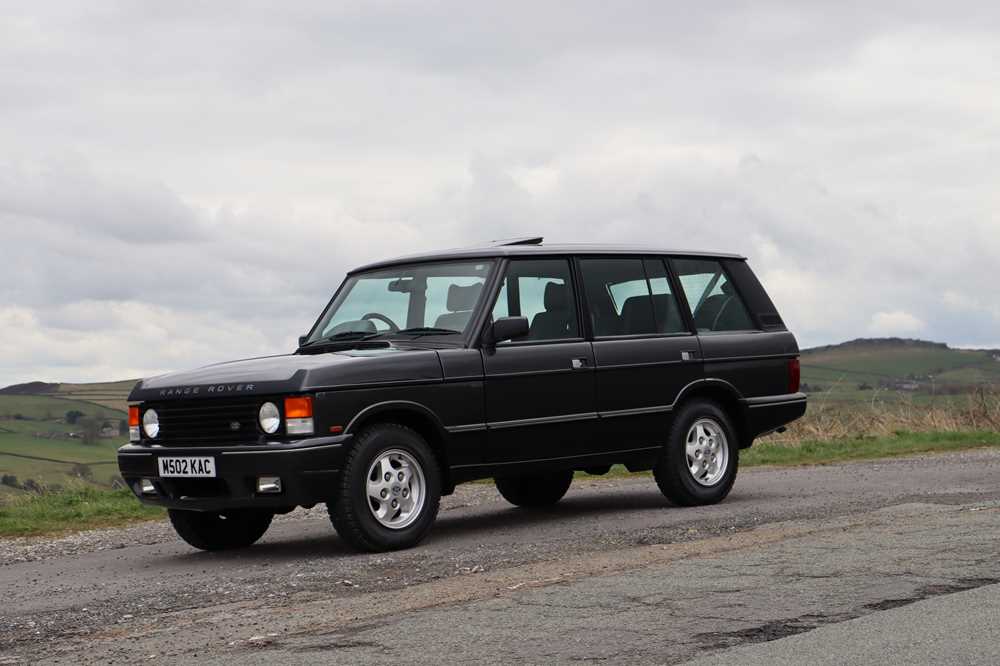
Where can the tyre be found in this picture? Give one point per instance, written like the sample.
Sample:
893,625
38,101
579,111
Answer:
535,490
209,530
698,465
389,491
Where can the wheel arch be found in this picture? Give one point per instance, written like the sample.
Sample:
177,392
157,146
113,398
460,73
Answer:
415,416
725,395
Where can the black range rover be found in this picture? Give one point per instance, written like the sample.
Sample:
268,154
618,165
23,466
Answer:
519,361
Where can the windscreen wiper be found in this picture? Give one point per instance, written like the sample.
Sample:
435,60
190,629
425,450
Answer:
343,336
428,330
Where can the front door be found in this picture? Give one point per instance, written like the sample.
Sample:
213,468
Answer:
540,399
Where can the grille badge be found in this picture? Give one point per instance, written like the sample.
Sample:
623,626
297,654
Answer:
234,425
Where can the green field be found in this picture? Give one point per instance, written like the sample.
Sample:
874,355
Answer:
836,372
32,428
49,408
109,394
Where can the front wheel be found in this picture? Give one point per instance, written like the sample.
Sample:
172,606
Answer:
389,490
211,530
535,490
699,463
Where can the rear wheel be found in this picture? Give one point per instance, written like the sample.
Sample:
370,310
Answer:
211,530
389,490
699,463
536,489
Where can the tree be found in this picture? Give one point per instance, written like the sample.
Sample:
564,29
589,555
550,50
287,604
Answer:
73,415
91,430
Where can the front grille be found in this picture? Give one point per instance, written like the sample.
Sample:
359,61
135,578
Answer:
208,422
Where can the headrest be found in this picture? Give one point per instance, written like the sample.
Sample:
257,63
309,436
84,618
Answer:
727,288
633,302
556,297
462,298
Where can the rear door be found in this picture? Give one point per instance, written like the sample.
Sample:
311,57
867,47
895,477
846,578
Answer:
540,388
738,347
644,350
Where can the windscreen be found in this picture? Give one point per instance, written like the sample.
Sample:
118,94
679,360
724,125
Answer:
438,297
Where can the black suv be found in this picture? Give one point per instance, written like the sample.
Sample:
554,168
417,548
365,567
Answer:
519,361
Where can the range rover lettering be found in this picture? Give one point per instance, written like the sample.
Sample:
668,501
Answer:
517,361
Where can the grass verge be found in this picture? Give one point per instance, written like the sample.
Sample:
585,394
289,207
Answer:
902,443
814,452
72,509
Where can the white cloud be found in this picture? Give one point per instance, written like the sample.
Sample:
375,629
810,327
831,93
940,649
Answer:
189,182
895,323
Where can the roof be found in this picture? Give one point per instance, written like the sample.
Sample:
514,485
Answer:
489,251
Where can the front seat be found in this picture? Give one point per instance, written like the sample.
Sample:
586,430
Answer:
461,302
553,323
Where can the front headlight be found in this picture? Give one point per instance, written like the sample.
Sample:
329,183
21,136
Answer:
269,418
151,423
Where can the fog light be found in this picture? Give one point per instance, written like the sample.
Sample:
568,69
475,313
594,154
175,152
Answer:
299,426
146,487
269,485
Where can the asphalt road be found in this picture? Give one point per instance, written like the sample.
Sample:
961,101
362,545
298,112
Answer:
612,573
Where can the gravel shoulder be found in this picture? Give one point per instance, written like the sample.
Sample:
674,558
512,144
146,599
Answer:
137,591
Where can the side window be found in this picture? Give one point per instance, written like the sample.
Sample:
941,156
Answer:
618,297
542,291
665,308
714,303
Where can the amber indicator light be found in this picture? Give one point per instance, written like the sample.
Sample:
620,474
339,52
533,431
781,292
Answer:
300,407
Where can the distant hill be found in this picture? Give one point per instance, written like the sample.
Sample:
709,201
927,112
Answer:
112,395
854,369
31,388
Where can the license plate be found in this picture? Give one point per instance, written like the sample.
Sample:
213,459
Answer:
187,466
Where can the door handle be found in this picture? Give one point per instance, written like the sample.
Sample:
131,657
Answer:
689,356
579,363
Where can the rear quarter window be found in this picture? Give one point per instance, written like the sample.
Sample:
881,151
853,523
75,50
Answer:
714,300
757,300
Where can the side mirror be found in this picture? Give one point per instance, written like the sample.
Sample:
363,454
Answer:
508,328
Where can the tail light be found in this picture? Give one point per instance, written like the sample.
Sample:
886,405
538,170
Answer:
794,375
299,415
133,423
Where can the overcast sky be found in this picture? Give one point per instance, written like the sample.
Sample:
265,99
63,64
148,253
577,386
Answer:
186,182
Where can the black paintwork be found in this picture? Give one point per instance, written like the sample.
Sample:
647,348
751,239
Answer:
485,409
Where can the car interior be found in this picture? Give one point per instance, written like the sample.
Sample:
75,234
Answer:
460,304
722,312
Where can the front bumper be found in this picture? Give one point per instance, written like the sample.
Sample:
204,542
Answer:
309,470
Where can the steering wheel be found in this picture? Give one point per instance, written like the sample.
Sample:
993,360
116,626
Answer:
385,320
